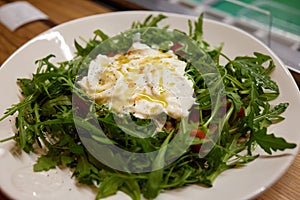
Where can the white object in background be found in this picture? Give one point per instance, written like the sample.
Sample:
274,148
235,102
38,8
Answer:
13,15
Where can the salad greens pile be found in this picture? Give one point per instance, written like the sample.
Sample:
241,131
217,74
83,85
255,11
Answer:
45,120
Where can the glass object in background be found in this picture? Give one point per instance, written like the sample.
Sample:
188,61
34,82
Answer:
285,14
247,14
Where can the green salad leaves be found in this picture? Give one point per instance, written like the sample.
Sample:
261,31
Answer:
45,120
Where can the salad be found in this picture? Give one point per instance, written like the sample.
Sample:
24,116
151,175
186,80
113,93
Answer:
62,108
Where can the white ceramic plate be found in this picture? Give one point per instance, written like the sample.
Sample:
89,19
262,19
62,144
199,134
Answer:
16,176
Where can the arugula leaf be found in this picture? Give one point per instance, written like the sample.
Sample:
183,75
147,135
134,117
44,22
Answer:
101,34
45,163
150,21
109,186
269,142
132,188
253,68
152,187
269,117
85,171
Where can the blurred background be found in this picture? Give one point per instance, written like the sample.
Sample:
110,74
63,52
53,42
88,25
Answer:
275,22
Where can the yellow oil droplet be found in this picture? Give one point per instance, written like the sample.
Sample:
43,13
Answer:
153,110
156,99
166,63
161,86
133,69
123,59
171,84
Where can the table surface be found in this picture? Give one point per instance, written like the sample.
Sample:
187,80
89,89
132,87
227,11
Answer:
60,11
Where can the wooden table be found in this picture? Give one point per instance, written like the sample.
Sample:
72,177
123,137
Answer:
59,11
